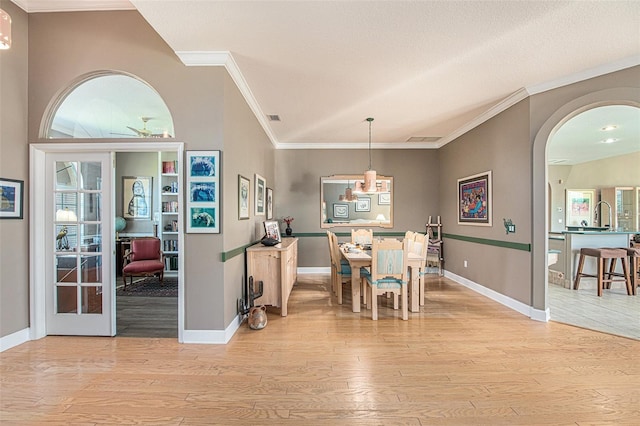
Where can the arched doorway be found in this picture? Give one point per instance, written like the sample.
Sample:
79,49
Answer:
626,96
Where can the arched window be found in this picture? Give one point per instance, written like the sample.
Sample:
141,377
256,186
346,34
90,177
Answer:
109,105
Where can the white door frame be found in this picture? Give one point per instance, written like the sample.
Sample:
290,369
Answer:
37,221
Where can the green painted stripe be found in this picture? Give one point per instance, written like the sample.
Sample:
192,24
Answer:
227,255
497,243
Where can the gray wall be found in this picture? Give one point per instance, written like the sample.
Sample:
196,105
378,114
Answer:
14,164
137,164
501,145
415,179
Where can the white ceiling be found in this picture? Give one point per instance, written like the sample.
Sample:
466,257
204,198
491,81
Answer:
420,68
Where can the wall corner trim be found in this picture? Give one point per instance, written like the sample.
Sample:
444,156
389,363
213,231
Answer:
14,339
212,337
507,301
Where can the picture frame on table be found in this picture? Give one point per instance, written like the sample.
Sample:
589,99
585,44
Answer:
341,211
579,207
244,189
475,200
203,198
272,230
260,195
11,198
269,203
363,204
137,199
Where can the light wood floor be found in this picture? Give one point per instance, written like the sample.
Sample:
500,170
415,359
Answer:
463,360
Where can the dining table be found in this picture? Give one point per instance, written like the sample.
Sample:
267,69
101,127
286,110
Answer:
361,258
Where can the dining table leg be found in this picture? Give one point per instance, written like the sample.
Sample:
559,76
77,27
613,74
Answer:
355,288
414,296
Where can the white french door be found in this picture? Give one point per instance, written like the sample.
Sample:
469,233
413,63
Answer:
80,295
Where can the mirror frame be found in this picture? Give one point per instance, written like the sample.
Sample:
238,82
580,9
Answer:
372,223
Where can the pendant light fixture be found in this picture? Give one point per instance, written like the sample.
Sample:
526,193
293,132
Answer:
370,174
5,30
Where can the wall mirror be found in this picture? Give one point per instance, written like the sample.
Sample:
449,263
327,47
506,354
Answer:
342,203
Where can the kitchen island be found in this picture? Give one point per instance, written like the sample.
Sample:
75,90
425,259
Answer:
575,240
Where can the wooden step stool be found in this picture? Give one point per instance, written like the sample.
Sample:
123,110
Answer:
602,255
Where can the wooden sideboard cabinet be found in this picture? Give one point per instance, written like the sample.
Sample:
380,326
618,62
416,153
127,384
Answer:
277,268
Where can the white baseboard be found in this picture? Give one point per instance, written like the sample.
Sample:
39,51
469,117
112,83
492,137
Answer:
314,270
14,339
522,308
215,337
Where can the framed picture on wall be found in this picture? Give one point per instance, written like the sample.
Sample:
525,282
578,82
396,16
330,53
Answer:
580,204
203,197
244,186
474,200
260,195
136,197
269,203
384,198
363,204
11,194
341,211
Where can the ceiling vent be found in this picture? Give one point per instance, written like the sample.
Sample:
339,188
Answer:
273,117
424,139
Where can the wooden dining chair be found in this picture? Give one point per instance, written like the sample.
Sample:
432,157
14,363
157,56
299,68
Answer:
362,236
420,247
340,271
389,273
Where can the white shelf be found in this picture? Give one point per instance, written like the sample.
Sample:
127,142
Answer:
170,174
169,213
170,252
170,232
170,193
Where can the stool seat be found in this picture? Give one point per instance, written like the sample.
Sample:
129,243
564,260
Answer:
603,254
633,253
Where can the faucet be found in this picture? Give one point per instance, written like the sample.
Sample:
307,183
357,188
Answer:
595,211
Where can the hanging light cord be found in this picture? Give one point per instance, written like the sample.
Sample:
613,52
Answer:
370,120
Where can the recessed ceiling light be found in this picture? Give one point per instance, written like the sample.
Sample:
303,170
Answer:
609,140
609,128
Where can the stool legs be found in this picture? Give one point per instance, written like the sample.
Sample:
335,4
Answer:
576,283
604,277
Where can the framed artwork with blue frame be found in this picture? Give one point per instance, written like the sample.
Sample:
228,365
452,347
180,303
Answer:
203,192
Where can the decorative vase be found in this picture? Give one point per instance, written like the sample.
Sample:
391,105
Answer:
288,230
258,317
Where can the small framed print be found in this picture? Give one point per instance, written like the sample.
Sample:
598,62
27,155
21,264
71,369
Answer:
363,204
269,203
384,198
341,211
244,186
260,195
203,199
11,194
136,197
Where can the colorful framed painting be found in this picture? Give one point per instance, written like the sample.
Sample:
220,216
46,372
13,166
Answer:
269,203
244,186
136,197
474,200
580,205
203,192
260,195
11,198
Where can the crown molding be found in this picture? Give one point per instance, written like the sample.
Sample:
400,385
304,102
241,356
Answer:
629,62
358,145
225,59
34,6
508,102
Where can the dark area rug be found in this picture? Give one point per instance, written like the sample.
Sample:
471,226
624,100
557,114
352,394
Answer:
150,287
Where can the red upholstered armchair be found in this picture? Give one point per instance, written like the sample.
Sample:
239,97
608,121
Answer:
143,259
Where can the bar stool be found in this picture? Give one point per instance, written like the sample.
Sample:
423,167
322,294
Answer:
602,255
634,264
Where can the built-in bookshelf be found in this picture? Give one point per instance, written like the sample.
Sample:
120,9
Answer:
170,196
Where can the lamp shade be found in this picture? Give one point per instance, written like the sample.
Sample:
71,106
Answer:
5,30
66,215
380,218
